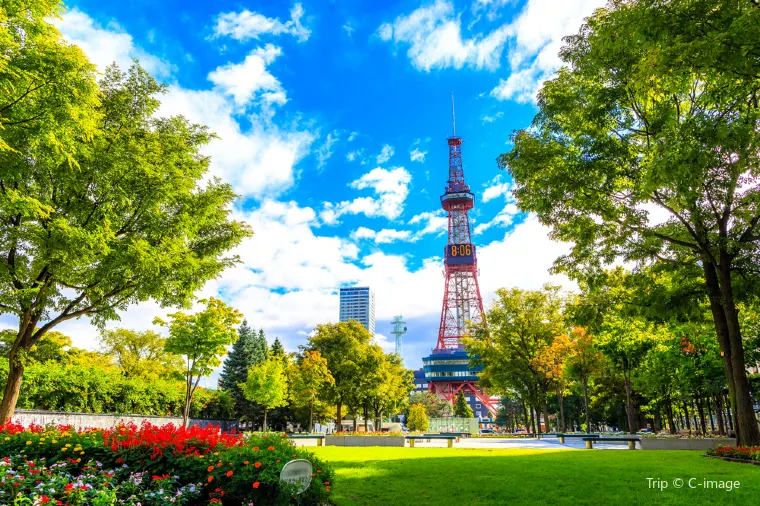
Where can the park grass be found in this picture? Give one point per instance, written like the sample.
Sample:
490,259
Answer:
458,476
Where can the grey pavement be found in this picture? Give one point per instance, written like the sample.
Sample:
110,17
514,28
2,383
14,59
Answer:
545,443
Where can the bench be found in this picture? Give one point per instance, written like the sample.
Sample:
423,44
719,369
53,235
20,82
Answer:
546,434
455,434
319,437
631,441
412,439
563,436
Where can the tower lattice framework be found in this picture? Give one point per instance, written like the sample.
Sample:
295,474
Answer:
461,297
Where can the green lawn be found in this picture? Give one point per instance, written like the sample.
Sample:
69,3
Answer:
441,476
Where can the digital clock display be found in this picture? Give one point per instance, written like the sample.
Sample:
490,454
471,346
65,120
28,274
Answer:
460,254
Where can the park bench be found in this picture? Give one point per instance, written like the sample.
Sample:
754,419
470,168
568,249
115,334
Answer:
563,436
547,434
448,438
319,437
631,441
457,434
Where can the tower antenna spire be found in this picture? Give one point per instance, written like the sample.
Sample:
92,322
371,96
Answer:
453,116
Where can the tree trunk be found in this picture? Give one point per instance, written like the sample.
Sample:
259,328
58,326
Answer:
311,417
729,415
671,423
585,404
525,414
686,416
365,419
710,414
545,409
701,413
338,426
22,343
532,420
561,410
632,427
12,388
720,291
265,419
719,414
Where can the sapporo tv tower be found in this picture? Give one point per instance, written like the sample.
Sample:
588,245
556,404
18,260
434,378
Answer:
448,370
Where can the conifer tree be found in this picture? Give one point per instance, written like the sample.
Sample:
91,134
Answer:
246,352
461,408
277,349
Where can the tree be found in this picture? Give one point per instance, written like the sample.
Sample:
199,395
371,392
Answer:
267,385
249,349
435,407
201,338
141,354
582,362
520,323
395,382
120,220
53,346
417,420
277,350
342,345
461,408
550,361
308,376
666,125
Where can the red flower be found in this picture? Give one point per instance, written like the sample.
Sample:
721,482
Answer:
210,479
69,486
44,499
257,465
229,473
210,468
271,448
256,484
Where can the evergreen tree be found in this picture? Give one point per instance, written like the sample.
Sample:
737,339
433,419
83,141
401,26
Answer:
277,349
461,408
247,351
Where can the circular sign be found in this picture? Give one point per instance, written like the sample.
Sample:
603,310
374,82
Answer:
297,472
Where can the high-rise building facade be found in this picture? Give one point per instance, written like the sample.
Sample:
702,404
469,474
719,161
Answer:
358,303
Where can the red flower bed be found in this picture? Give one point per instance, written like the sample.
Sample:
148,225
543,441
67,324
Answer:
181,440
751,453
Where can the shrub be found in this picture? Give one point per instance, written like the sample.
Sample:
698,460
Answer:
417,420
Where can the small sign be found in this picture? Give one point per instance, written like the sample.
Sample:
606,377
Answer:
297,472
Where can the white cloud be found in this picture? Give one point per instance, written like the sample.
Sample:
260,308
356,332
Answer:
108,45
324,152
434,222
247,25
491,119
391,188
434,35
495,190
417,155
349,29
384,236
385,154
353,155
537,33
502,219
243,80
257,161
352,136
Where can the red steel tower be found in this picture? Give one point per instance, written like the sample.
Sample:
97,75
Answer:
447,369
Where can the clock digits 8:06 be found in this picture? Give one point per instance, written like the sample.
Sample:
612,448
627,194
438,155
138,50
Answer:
462,250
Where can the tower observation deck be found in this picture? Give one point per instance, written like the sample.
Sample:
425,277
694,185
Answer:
447,369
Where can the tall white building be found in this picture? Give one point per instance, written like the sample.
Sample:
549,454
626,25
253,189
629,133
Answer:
358,303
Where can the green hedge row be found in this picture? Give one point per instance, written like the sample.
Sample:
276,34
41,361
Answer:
76,388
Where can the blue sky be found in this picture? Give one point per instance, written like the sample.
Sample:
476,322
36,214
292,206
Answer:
333,118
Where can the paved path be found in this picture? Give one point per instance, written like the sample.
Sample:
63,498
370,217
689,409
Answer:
547,443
